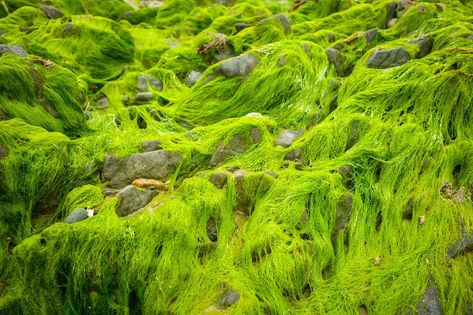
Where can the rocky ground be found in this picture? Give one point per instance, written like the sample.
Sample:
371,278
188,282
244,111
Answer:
247,157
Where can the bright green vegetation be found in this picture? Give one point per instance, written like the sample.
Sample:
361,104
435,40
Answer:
365,203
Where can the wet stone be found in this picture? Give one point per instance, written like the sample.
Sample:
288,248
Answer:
146,81
287,138
103,102
228,298
3,151
51,12
425,46
430,303
151,145
218,179
383,59
132,199
212,230
13,49
143,98
239,66
371,35
77,216
240,26
337,59
461,247
390,12
193,77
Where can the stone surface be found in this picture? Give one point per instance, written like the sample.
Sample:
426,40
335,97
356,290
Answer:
151,145
425,46
3,151
239,144
132,198
284,22
430,303
370,35
103,102
77,216
143,97
337,59
287,138
461,247
144,82
218,179
240,26
347,173
228,298
13,49
383,59
193,77
51,12
212,231
344,209
154,165
239,66
390,12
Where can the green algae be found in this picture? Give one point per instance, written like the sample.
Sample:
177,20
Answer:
357,215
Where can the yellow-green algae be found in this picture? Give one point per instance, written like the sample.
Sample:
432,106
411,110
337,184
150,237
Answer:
403,132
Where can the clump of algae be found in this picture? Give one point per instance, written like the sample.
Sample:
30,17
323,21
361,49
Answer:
357,215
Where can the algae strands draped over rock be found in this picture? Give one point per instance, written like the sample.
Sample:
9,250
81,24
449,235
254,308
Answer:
238,157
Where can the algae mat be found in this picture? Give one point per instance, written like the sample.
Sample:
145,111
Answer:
238,157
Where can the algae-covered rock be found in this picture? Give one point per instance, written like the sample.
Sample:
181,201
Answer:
238,66
132,198
287,138
228,298
13,49
151,145
237,145
193,77
430,302
383,59
218,179
51,12
460,247
77,215
154,165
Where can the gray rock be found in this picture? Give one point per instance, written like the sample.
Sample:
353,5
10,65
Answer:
430,303
218,179
425,46
347,173
344,209
77,216
3,151
143,98
287,138
13,49
152,165
284,22
193,77
293,155
228,298
336,58
255,135
103,102
132,199
383,59
144,81
390,12
242,66
151,145
51,12
239,144
212,231
371,34
460,247
240,26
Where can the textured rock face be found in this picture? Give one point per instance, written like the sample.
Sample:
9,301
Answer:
430,303
383,59
13,49
132,198
154,165
77,215
287,138
51,12
238,66
239,144
193,77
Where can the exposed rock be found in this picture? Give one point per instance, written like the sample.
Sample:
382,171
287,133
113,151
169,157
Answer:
228,298
255,135
460,247
403,6
103,102
218,179
286,24
240,26
260,182
425,46
408,210
370,35
51,12
239,144
391,9
154,165
336,58
295,155
132,199
242,66
212,231
383,59
287,138
77,216
344,210
193,77
144,81
149,184
3,151
151,145
144,97
13,49
430,303
347,173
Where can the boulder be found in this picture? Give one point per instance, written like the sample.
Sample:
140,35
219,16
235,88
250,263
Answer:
77,215
241,66
370,35
281,18
430,303
144,97
193,77
132,198
146,81
460,247
218,179
153,165
383,59
287,138
13,49
425,46
391,9
240,26
228,298
151,145
337,59
239,144
51,12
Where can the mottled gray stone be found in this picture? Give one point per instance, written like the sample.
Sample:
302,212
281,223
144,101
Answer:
151,145
383,59
143,97
51,12
337,59
218,179
228,298
132,198
461,247
425,46
13,49
77,216
239,66
153,165
146,81
287,138
430,303
193,77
